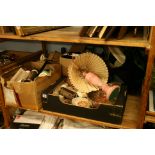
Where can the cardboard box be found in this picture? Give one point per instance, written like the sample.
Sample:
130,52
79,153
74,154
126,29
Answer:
105,113
19,57
65,62
28,94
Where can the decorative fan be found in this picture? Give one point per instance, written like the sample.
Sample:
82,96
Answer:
87,63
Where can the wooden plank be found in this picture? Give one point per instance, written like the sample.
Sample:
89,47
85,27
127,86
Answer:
28,30
146,86
71,35
150,119
150,113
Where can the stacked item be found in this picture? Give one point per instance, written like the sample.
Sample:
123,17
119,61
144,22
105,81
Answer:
115,32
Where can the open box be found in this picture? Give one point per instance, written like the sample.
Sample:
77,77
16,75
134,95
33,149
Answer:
28,94
106,113
10,59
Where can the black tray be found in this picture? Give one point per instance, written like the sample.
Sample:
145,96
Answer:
106,113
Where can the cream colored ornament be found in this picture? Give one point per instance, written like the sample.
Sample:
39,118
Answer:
87,62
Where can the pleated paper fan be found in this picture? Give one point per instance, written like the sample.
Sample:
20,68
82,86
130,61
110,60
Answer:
87,62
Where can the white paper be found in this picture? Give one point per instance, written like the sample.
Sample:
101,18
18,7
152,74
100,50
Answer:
30,117
9,96
69,124
48,122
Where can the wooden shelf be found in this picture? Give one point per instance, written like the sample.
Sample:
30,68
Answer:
149,118
129,121
135,110
151,113
71,35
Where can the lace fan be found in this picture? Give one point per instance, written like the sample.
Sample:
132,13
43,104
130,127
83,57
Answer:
85,63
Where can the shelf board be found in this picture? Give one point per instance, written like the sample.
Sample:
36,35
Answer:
130,117
149,118
71,35
150,113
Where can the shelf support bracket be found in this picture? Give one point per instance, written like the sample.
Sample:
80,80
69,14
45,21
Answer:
44,48
148,75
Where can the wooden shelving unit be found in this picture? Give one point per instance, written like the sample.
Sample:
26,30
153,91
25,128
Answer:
144,114
134,114
71,35
150,115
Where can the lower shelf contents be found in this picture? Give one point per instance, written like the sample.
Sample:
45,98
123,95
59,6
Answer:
106,113
35,120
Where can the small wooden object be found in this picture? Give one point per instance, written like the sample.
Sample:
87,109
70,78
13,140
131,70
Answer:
27,30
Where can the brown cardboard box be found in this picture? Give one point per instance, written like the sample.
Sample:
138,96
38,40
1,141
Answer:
19,57
8,91
65,62
28,94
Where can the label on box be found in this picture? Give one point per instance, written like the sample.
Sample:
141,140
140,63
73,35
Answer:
10,97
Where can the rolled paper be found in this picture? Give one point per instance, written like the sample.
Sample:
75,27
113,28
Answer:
110,91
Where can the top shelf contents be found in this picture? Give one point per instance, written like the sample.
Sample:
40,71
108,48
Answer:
73,35
117,32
